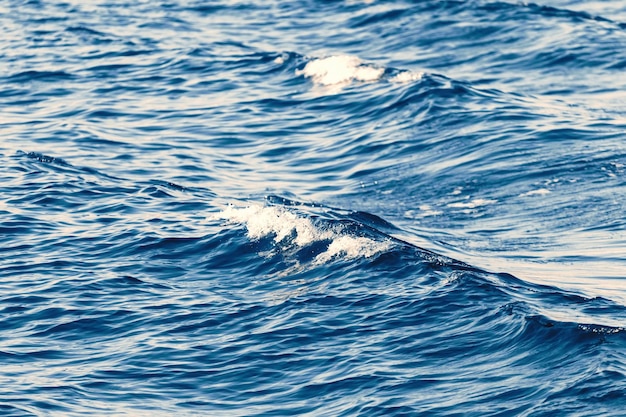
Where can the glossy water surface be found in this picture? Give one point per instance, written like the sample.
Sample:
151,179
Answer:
312,208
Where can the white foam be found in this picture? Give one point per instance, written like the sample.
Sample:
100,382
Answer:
261,221
351,247
338,70
425,211
541,191
406,77
281,59
478,202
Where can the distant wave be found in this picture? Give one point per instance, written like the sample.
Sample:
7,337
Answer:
341,70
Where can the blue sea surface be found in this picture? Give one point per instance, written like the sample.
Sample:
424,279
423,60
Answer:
316,208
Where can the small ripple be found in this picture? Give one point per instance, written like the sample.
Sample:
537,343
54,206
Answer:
45,76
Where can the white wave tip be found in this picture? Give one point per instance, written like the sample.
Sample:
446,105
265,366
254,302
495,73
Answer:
478,202
261,221
340,69
280,60
406,77
351,247
541,191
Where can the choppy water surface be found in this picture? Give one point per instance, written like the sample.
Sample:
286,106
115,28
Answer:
313,208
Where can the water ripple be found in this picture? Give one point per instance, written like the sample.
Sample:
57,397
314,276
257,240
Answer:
305,208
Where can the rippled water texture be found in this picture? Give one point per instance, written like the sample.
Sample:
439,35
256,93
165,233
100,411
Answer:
312,208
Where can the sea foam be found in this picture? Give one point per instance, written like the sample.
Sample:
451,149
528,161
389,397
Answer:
341,69
287,228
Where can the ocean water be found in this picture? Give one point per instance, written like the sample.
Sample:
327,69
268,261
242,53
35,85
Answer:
317,208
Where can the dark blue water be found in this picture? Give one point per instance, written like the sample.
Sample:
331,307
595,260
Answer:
322,208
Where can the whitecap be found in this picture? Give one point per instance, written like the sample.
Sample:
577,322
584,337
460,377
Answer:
478,202
288,228
406,77
351,247
541,191
261,221
425,210
340,69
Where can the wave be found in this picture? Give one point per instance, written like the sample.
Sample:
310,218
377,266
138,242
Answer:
340,70
364,208
327,234
287,228
305,288
548,11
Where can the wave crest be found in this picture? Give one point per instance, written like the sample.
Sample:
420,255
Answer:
341,70
288,228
